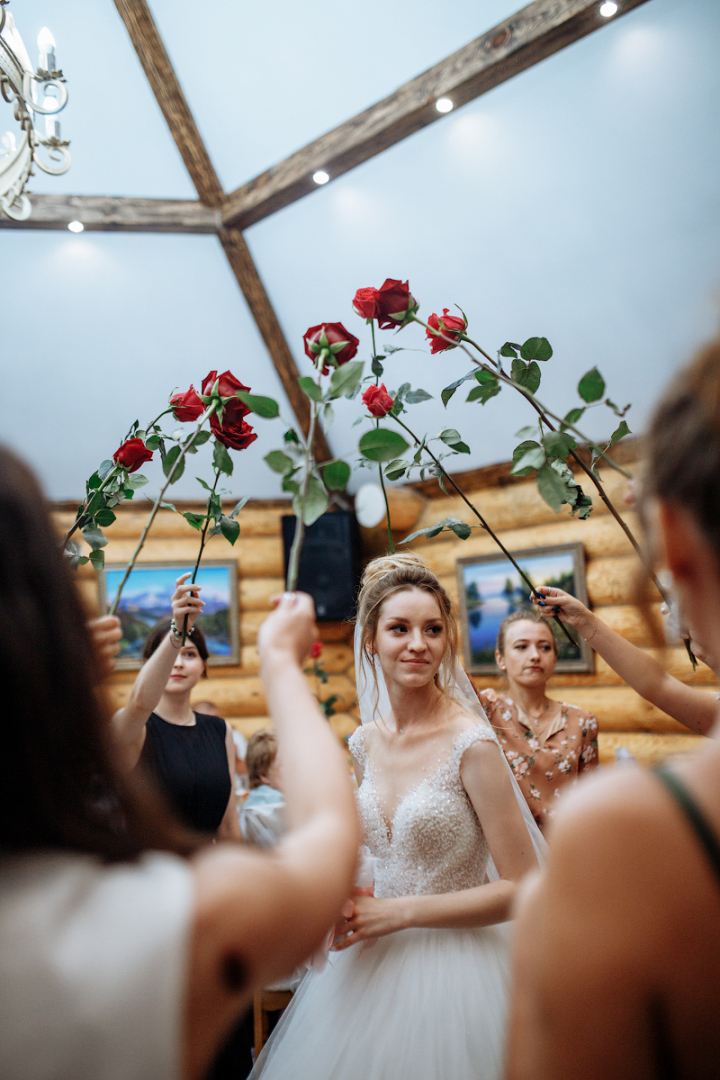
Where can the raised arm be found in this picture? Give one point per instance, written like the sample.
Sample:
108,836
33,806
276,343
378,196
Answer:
260,914
129,722
487,782
694,708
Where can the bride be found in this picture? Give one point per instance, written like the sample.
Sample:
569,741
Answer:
416,987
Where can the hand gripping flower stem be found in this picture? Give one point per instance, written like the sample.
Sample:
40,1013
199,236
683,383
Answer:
156,506
482,521
203,539
294,560
82,516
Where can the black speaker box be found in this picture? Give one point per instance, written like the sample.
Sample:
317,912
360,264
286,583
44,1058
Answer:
330,565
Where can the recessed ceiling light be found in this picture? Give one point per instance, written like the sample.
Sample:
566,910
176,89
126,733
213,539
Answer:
76,226
321,177
608,9
444,104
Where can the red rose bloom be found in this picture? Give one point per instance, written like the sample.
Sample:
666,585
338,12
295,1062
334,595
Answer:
316,649
228,387
132,454
320,341
187,406
365,302
234,431
451,326
377,400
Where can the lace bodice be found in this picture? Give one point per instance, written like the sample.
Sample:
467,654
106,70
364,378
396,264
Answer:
434,843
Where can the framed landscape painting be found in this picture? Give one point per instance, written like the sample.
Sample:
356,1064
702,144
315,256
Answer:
146,599
490,588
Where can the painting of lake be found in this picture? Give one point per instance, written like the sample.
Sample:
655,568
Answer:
146,599
491,588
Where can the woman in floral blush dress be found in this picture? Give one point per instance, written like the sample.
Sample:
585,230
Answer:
547,743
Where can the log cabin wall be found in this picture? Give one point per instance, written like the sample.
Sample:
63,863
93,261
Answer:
235,689
522,519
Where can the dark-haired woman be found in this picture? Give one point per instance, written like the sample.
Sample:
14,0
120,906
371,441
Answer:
618,944
119,958
547,743
190,755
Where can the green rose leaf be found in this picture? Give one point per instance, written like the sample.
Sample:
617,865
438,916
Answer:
461,530
97,558
376,367
153,442
414,397
526,432
573,416
93,482
592,385
169,461
432,530
105,517
558,444
509,349
310,387
551,487
536,348
221,459
229,528
453,439
527,456
239,505
396,469
381,444
279,462
137,480
448,392
619,433
527,375
266,407
290,436
488,389
202,437
196,520
344,379
316,501
105,468
95,538
336,475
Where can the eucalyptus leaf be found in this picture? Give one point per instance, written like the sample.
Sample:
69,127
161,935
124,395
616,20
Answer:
592,385
336,475
266,407
381,444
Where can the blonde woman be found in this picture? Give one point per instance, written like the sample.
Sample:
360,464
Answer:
452,838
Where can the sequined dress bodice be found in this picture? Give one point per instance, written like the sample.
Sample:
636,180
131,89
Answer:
435,843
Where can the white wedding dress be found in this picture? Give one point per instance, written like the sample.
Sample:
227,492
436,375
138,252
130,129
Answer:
419,1004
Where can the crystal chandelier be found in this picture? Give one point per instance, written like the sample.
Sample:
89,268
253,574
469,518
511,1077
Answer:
30,93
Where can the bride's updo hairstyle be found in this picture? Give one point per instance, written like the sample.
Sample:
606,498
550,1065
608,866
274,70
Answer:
397,573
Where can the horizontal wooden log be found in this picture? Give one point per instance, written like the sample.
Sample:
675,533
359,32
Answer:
520,506
110,213
343,724
525,38
253,520
255,592
250,623
648,749
618,708
601,537
256,556
248,725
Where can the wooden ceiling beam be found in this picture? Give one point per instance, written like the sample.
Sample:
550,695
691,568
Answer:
156,64
524,39
108,213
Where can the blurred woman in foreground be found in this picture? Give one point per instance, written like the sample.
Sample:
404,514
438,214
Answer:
126,949
618,944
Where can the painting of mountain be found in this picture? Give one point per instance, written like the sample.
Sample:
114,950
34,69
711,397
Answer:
146,599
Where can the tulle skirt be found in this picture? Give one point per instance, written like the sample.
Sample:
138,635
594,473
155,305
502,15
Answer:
418,1005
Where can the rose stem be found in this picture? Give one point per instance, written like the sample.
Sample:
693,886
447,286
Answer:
382,479
484,524
294,560
143,535
199,556
79,523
